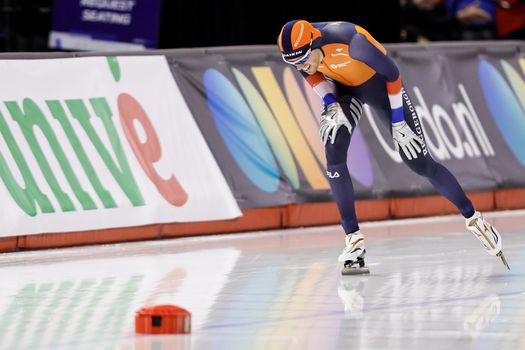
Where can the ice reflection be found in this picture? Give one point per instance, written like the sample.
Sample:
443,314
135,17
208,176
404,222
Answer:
85,302
482,316
160,342
420,304
349,292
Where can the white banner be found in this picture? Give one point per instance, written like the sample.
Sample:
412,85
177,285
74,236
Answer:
90,143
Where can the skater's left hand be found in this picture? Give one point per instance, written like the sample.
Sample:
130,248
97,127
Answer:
405,138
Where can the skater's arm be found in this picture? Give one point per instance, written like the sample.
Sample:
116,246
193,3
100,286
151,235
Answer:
321,86
332,115
365,48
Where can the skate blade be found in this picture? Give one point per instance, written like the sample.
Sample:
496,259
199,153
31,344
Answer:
500,254
348,271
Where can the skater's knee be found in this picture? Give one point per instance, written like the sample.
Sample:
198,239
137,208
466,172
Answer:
336,153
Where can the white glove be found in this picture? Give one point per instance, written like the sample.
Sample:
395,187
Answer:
405,138
332,118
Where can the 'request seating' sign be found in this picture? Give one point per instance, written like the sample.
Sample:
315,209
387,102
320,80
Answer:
105,24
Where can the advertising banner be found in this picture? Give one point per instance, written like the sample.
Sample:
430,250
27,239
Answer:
105,24
472,106
261,121
197,134
89,143
268,156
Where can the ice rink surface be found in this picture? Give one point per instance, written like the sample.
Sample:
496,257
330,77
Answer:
431,286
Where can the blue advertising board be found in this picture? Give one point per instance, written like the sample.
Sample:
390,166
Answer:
105,24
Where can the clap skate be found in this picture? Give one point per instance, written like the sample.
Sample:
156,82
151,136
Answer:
487,235
353,255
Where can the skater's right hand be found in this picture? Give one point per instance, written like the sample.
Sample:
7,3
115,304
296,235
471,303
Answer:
332,118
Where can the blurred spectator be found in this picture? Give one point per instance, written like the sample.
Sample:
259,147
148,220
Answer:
24,25
510,19
478,18
434,20
426,20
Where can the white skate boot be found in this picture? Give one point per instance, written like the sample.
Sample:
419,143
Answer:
353,255
487,235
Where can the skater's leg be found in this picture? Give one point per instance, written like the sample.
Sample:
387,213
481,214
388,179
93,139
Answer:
438,175
343,193
446,184
375,94
340,180
442,180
